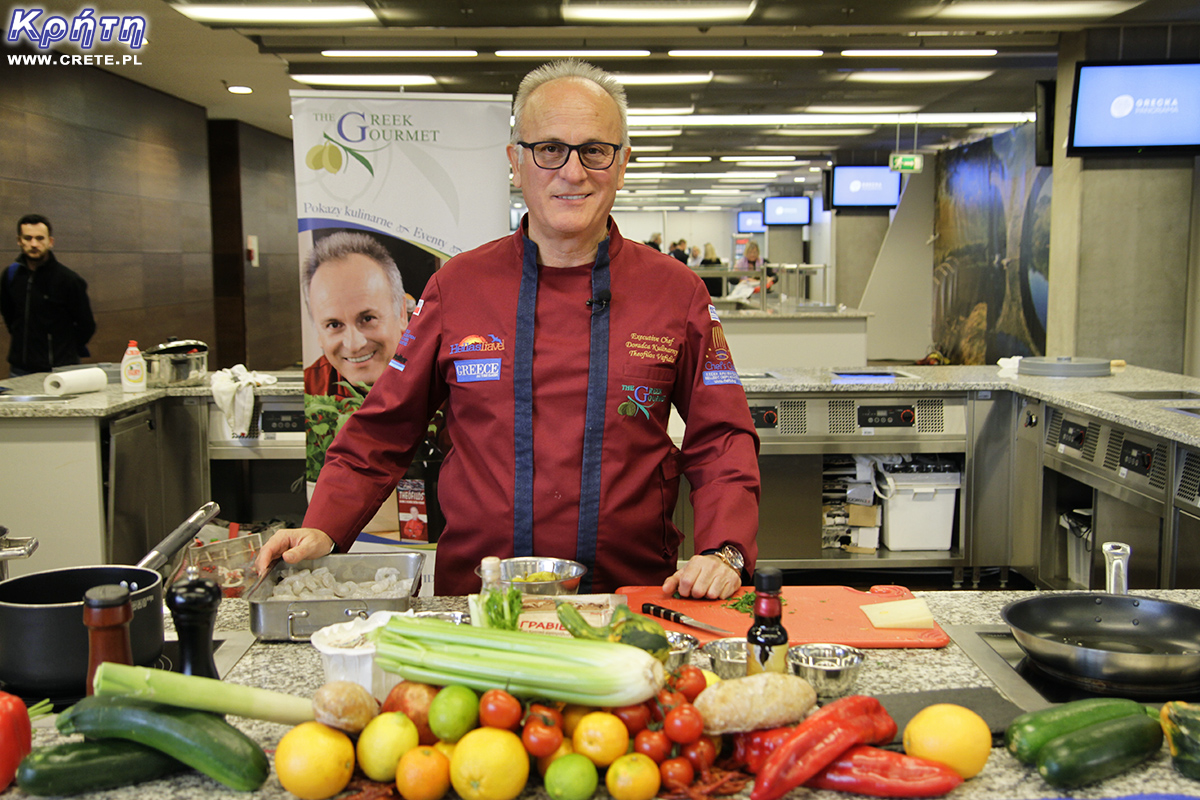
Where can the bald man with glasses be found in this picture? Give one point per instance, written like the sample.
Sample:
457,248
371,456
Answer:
559,351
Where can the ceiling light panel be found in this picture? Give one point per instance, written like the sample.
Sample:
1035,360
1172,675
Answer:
582,53
745,53
301,14
665,79
365,80
920,52
664,11
919,76
400,53
1094,10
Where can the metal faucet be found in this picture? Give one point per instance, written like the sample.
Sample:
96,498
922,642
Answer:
13,547
1116,567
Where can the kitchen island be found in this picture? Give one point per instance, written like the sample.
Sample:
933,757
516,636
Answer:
296,669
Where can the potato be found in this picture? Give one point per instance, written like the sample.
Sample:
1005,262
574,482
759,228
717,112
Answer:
765,700
344,705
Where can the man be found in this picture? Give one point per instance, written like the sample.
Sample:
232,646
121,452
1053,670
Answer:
45,305
355,298
560,372
680,251
655,241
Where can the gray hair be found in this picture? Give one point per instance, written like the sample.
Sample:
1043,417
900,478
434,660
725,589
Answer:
570,68
346,243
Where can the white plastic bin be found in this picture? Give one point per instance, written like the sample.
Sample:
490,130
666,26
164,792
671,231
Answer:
920,513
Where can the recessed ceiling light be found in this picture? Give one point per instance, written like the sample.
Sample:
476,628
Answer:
652,191
645,111
678,159
399,53
733,192
745,53
703,208
1037,9
660,132
366,80
655,148
238,89
777,159
665,79
920,52
919,76
823,131
580,53
862,109
697,11
645,164
270,14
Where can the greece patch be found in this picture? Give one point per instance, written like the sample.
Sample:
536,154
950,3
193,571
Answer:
479,369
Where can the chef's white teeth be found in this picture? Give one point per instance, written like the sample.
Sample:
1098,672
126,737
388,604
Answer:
359,360
573,196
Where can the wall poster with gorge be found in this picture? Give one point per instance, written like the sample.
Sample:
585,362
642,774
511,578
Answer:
991,252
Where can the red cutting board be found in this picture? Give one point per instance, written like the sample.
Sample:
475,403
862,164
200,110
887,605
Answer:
830,614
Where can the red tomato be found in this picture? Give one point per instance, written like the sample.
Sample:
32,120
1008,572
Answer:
654,744
664,701
636,718
677,773
683,724
499,709
702,753
689,681
549,714
539,739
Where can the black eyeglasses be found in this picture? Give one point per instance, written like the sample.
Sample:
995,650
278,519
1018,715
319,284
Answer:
554,155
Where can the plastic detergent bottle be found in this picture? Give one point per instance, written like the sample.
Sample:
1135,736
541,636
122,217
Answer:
133,369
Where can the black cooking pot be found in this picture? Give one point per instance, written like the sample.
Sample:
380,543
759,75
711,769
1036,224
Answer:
43,641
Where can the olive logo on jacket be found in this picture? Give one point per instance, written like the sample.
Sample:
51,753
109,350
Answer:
640,398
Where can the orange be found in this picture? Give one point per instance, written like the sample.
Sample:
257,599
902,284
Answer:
423,774
601,736
571,716
951,735
544,762
489,764
633,776
314,761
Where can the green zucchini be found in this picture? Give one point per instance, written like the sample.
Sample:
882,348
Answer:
1026,735
1099,751
199,739
1181,725
92,765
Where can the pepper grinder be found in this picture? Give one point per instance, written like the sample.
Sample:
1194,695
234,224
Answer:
193,603
106,613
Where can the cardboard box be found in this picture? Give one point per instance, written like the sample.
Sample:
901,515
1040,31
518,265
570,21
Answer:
865,537
538,611
865,516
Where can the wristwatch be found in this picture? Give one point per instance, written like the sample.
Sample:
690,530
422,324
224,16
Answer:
732,557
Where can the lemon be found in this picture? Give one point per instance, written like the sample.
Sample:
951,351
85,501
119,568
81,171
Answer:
386,738
572,777
314,761
710,677
489,764
951,735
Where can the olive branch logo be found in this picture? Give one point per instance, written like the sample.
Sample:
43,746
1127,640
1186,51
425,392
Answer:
631,407
328,156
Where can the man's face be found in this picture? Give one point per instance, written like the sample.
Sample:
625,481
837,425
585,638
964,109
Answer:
351,304
570,203
36,242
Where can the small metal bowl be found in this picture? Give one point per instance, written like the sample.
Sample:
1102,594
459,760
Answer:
457,617
568,574
682,645
832,669
728,657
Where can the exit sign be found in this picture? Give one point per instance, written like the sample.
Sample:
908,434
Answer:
906,162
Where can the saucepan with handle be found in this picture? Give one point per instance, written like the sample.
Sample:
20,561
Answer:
1110,641
43,641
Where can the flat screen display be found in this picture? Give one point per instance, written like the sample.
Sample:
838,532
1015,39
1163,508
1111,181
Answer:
865,187
787,210
1124,108
750,222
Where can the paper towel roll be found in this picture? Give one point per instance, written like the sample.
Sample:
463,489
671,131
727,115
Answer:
76,381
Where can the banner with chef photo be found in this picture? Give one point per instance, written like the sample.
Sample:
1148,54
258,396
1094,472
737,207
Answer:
389,186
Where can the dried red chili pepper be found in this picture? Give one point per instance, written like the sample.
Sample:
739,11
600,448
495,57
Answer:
750,749
16,736
884,773
820,739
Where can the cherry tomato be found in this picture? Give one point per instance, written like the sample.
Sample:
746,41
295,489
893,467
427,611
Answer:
664,701
654,744
499,709
683,724
702,753
636,718
677,773
689,681
550,715
540,739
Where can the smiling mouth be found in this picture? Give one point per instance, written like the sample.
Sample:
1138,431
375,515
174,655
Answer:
360,359
572,196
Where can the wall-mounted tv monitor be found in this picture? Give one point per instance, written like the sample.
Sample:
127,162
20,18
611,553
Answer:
787,210
750,222
864,187
1126,108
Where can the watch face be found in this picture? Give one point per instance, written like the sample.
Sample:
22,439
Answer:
734,557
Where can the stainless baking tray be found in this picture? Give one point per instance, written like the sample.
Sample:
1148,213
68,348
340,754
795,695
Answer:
297,621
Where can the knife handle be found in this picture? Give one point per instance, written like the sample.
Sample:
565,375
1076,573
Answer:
662,613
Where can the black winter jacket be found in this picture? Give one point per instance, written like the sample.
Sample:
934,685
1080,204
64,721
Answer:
47,313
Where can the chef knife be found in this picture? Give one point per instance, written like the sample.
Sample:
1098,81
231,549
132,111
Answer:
683,619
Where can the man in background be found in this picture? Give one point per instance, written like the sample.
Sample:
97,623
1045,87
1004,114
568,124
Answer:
680,251
655,241
355,298
45,305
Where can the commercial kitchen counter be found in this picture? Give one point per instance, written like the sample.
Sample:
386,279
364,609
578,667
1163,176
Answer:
296,669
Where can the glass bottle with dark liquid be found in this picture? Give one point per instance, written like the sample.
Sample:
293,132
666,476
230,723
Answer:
767,640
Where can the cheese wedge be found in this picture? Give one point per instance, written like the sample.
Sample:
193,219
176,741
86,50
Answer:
900,614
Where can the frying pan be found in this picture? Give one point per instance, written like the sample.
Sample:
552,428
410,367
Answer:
43,641
1108,637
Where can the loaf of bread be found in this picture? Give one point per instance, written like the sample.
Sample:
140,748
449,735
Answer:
765,700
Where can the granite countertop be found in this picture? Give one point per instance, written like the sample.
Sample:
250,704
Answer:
297,669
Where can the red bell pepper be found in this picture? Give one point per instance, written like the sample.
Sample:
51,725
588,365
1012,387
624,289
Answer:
16,736
820,739
884,773
750,749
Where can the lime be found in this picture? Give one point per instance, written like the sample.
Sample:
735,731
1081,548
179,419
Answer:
453,711
571,777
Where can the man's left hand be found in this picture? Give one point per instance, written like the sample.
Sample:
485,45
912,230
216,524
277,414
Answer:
704,577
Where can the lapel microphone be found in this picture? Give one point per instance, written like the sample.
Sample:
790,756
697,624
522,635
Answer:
600,301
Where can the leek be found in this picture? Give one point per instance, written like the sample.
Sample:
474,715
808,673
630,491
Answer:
203,694
586,672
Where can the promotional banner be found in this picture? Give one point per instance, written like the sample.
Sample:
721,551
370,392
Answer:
388,187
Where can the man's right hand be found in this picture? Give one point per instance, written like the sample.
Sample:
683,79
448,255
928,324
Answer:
292,545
